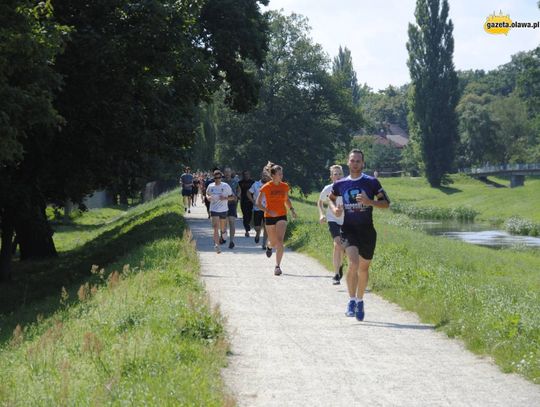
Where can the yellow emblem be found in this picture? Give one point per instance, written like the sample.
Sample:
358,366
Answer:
498,24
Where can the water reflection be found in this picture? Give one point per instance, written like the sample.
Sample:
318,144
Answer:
478,233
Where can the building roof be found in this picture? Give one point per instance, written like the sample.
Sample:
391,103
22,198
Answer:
397,139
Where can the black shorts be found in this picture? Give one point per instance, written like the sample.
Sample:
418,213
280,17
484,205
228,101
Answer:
362,236
221,215
232,209
186,191
273,221
258,217
334,229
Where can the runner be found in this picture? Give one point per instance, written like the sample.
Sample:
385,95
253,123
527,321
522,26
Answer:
218,193
195,189
258,213
186,179
233,204
276,193
245,204
208,180
358,192
334,222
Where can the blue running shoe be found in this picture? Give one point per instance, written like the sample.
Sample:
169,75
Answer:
350,308
359,312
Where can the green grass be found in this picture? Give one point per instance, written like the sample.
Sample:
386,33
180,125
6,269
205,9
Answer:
139,332
490,299
492,204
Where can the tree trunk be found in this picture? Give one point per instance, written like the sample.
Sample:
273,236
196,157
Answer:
68,208
5,250
123,198
34,231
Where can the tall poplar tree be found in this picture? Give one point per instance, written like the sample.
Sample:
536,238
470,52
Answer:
434,94
343,71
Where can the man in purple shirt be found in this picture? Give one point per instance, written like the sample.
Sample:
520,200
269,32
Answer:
359,237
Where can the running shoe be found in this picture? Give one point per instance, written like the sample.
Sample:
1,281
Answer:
188,211
221,241
341,272
359,312
257,239
246,234
217,249
351,308
335,279
268,252
231,245
277,271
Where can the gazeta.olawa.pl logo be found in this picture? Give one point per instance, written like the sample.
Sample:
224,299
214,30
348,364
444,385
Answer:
502,23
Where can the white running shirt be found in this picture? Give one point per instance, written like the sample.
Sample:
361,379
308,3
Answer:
216,191
255,190
330,217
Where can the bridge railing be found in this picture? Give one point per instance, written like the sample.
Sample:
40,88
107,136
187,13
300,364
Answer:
500,168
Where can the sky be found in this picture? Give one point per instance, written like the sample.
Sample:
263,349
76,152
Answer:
376,33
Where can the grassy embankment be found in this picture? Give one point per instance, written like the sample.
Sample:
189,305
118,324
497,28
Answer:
516,210
137,332
488,298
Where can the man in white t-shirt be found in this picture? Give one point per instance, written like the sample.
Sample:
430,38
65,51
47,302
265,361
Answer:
334,222
258,214
219,194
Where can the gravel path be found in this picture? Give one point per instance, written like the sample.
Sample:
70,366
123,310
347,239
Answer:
293,346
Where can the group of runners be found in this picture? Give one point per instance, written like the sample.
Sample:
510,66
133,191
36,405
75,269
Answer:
346,205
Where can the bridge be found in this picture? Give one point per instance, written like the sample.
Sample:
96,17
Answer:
517,172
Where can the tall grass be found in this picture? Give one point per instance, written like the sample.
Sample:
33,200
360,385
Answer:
431,212
137,331
490,299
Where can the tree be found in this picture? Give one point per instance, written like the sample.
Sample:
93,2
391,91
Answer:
388,106
377,156
514,130
304,114
528,81
343,71
434,95
30,42
134,74
479,132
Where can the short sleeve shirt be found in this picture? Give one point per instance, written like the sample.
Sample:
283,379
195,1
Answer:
255,189
276,196
215,191
245,185
187,180
356,213
233,183
330,217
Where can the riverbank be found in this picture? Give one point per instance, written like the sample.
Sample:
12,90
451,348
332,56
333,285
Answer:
489,299
514,209
137,329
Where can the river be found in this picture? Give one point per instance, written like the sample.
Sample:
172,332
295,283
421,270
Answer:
478,233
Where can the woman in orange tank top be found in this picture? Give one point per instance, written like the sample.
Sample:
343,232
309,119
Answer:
276,195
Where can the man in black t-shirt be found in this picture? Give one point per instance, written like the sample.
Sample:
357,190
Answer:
245,204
